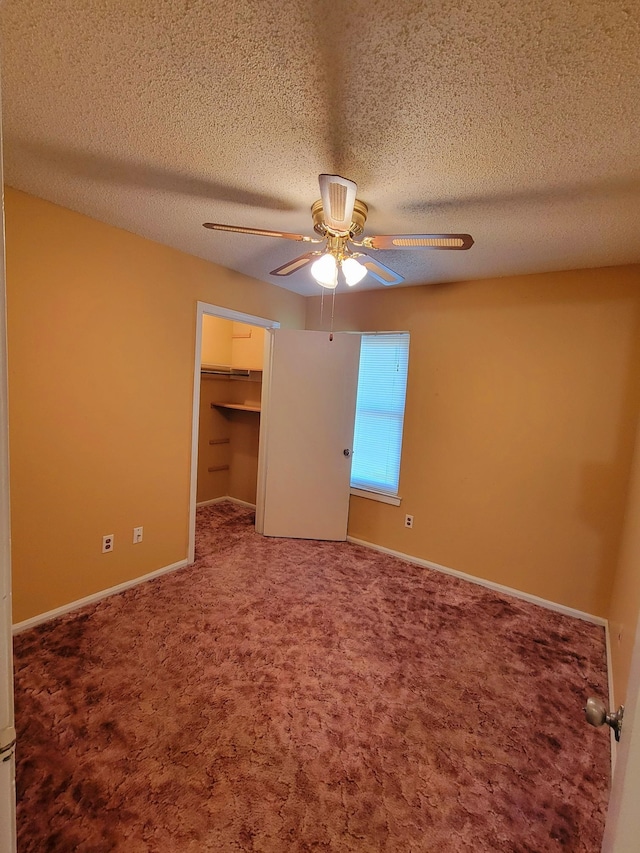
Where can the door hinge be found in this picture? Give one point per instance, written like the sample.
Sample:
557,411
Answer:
7,743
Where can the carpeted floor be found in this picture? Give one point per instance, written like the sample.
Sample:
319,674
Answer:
287,695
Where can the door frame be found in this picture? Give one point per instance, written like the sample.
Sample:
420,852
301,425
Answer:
8,839
210,310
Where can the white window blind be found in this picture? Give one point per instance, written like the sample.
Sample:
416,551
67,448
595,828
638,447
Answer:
382,386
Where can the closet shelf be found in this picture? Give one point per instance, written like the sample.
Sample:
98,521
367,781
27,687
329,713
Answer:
246,373
241,407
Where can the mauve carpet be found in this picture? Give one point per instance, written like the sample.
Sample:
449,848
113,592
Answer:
287,695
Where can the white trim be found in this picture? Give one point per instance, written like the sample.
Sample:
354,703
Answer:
226,498
610,698
394,500
498,587
7,721
203,308
195,424
263,434
397,332
237,316
19,627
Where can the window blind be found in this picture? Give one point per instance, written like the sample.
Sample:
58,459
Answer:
380,401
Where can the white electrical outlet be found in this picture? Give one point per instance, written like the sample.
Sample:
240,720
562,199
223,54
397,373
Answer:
137,535
107,543
408,521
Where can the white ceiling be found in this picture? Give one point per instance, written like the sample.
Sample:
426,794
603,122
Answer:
515,122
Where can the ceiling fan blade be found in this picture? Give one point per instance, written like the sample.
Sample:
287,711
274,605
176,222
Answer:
239,229
338,198
295,264
419,241
379,270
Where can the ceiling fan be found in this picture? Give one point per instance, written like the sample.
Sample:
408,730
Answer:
339,218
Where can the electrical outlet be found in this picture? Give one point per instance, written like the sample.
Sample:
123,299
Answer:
137,535
107,543
408,521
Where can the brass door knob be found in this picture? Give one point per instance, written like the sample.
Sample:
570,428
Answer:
597,715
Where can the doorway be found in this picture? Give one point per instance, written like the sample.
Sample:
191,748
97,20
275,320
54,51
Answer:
239,385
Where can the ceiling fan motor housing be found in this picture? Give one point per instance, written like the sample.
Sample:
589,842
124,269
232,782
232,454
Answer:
358,218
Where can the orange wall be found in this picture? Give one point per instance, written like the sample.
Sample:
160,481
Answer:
216,340
212,425
247,346
101,328
522,403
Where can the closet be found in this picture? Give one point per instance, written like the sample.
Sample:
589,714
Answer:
229,420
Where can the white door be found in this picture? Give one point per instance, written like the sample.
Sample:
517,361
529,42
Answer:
7,732
7,761
306,434
623,820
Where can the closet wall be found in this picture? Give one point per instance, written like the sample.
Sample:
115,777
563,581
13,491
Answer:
229,424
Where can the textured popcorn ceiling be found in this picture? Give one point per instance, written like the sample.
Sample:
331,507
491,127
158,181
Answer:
515,122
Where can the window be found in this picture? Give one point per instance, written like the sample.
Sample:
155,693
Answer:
382,386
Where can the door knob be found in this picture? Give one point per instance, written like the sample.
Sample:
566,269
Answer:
597,715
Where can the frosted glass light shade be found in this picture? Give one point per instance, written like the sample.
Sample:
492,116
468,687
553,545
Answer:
353,271
325,271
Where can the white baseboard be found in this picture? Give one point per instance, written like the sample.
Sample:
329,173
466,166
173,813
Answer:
96,596
105,593
226,498
497,587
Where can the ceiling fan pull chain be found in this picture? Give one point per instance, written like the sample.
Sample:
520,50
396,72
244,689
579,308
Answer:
333,305
321,306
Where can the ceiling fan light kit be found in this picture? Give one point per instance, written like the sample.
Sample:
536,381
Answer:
339,219
325,271
353,271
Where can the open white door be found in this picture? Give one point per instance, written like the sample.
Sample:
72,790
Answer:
306,434
622,832
7,732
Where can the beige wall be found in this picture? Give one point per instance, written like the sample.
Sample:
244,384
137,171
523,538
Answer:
101,328
522,401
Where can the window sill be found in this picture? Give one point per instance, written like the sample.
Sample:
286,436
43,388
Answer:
394,500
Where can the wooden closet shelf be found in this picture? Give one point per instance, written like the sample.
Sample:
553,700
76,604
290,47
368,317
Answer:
241,407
